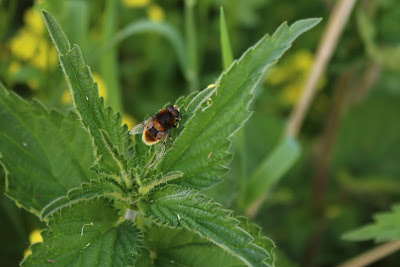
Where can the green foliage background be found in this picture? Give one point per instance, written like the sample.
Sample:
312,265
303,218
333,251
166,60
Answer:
143,66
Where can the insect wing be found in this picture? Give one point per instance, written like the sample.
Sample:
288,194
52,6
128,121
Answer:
139,128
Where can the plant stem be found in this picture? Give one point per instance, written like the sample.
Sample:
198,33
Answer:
337,21
372,255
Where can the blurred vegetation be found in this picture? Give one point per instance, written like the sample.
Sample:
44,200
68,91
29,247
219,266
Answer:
145,53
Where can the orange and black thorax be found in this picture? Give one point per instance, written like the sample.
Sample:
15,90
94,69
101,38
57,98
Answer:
164,120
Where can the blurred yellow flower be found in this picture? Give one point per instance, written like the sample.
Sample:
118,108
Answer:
35,236
292,75
102,85
27,252
45,56
292,92
66,98
30,43
128,120
14,68
23,45
303,60
135,3
155,13
34,21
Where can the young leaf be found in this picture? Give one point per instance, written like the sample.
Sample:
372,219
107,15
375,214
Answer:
385,228
201,148
94,189
270,171
180,247
86,234
101,121
43,152
176,206
227,57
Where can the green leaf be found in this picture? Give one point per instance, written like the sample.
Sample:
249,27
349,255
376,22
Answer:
260,240
101,122
385,228
180,247
227,57
176,206
86,234
201,148
270,171
44,153
87,191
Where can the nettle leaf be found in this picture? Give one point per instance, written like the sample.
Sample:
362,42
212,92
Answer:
176,206
112,142
217,113
385,228
44,153
180,247
95,189
87,234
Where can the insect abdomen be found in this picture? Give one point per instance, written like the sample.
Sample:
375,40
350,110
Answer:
151,135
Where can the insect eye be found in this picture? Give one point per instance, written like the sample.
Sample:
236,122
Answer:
173,110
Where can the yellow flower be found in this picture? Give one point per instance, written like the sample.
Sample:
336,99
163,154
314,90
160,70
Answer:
102,85
14,68
45,56
34,21
24,44
27,252
155,13
292,92
35,236
135,3
66,97
303,61
31,45
33,84
292,75
128,120
276,76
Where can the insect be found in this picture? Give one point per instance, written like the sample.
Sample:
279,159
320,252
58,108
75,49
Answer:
159,126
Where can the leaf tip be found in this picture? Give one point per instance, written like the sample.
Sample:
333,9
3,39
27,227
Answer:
56,33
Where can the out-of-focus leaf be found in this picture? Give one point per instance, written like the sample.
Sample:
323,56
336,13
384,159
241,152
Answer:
270,171
227,56
385,228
